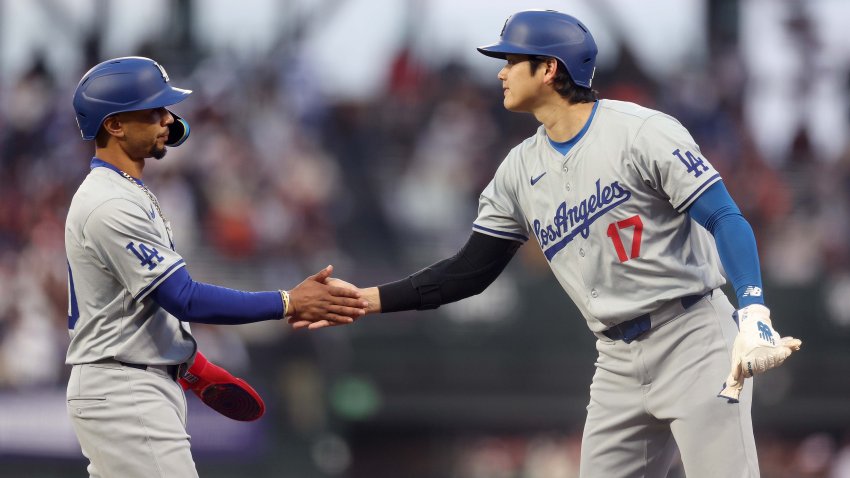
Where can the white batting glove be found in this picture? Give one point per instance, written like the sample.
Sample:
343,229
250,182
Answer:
757,349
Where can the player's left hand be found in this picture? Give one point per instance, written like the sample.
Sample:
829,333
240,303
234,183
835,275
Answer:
757,349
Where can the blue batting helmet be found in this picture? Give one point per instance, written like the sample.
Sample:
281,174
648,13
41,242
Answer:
549,33
127,84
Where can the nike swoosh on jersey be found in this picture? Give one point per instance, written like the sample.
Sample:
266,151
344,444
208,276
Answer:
152,213
534,180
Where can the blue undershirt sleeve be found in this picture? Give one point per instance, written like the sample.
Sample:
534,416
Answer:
192,301
736,245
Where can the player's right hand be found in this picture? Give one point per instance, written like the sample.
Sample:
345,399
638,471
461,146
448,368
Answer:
312,301
757,349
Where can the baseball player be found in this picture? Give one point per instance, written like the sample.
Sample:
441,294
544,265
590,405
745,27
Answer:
131,298
623,205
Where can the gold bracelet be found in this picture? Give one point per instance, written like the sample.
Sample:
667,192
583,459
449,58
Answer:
284,296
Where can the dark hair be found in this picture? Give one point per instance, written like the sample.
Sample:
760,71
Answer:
564,84
102,137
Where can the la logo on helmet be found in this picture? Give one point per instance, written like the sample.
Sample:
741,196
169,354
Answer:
162,71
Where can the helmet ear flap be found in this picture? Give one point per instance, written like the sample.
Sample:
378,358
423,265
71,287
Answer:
178,131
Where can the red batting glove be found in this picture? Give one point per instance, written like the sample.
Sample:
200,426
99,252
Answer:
221,391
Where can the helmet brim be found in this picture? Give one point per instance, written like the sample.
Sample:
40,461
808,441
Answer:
502,50
167,97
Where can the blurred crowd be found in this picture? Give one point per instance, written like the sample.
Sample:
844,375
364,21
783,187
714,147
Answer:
278,180
557,456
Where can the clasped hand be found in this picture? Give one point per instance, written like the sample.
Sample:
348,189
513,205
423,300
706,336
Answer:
318,300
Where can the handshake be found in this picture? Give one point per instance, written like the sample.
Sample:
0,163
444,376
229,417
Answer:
318,301
322,301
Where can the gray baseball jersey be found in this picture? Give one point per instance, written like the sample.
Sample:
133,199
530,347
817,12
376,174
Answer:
608,215
119,249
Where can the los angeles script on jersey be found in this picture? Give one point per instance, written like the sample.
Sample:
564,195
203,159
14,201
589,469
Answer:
569,221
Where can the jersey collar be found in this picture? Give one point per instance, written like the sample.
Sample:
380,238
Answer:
99,163
566,146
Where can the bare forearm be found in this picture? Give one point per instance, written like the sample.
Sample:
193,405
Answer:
373,297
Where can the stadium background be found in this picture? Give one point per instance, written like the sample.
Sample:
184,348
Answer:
359,133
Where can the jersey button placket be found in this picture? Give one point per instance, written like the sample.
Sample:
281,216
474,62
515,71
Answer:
593,293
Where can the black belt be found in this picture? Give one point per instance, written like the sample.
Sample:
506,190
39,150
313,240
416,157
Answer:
171,370
632,329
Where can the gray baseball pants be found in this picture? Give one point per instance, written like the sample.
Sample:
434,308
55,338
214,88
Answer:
659,392
130,422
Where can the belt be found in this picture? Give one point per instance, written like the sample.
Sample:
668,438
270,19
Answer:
170,370
632,329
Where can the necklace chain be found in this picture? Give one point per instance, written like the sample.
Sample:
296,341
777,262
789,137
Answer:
148,193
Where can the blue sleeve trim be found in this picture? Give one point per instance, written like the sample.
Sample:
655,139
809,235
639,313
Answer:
500,233
736,244
708,182
159,279
192,301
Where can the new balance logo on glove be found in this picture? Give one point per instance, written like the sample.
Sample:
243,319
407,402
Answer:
756,349
766,333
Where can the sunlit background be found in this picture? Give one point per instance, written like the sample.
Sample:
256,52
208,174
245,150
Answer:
359,133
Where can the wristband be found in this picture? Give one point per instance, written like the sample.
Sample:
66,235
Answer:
284,296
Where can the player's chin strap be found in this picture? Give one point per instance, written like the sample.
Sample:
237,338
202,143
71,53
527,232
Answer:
757,349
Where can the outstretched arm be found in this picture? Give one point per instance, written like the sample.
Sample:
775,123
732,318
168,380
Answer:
312,299
467,273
